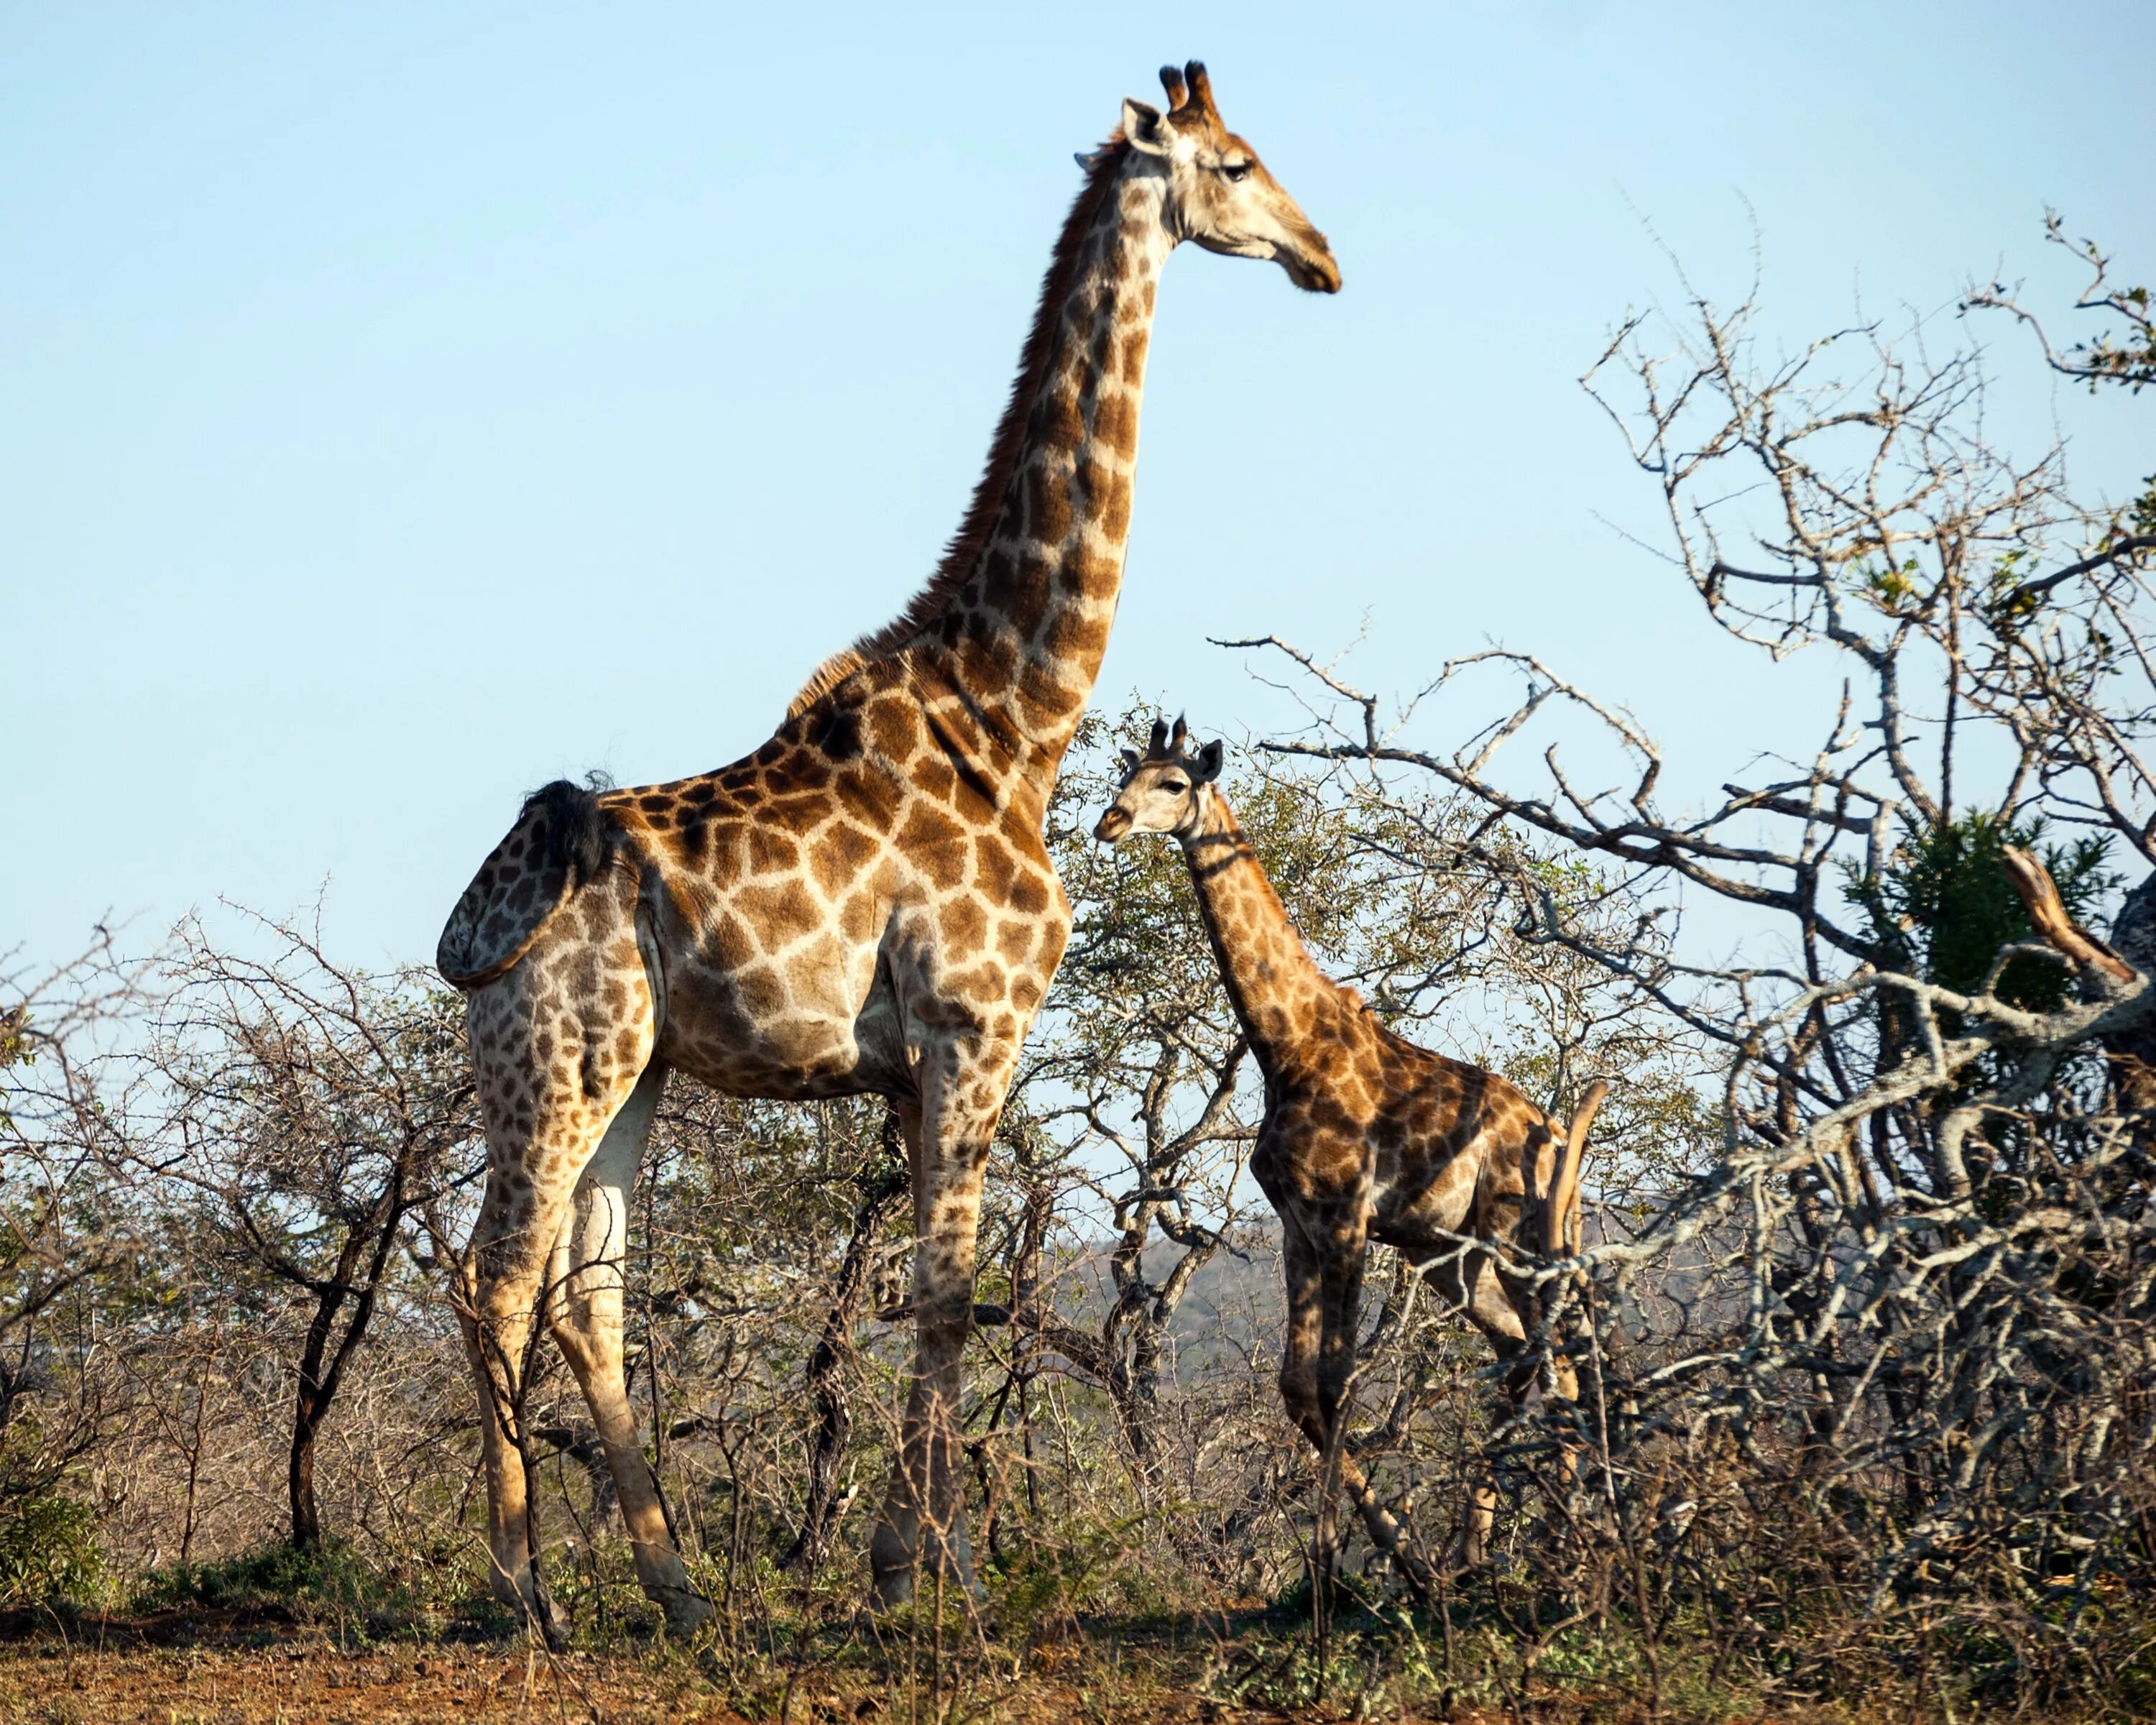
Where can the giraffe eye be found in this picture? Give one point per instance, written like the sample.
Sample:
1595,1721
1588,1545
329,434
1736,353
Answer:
1174,786
1236,170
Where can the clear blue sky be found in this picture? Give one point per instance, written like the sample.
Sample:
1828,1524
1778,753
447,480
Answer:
402,405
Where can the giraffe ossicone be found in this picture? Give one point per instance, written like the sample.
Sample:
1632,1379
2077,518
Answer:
864,905
1366,1136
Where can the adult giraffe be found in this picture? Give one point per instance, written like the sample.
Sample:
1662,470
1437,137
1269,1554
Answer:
864,905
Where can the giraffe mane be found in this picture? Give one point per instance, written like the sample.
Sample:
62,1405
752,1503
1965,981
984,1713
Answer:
963,556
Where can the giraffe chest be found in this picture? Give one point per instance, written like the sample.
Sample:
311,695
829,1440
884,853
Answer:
970,953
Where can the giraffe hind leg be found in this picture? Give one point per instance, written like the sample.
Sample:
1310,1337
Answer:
556,1053
585,1283
1500,1314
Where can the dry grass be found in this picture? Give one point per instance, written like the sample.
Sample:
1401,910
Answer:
288,1683
260,1667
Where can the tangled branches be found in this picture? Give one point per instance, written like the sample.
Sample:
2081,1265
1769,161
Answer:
1898,1335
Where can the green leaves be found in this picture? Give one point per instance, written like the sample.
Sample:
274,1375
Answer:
48,1551
1943,908
1890,586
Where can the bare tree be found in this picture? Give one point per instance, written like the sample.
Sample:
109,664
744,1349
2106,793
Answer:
881,1181
1914,1276
313,1109
68,1233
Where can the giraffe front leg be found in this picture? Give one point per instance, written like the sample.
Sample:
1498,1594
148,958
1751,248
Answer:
1340,1242
1343,1249
921,1532
1316,1369
1305,1331
1302,1348
1323,1246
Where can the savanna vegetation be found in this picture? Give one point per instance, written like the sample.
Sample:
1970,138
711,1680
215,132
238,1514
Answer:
1864,1322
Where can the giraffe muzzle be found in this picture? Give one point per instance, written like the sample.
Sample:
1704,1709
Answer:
1312,268
1111,826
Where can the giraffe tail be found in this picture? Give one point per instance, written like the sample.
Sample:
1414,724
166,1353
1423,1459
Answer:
1561,1215
560,840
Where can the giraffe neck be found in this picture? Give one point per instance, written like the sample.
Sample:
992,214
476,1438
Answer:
1022,635
1272,981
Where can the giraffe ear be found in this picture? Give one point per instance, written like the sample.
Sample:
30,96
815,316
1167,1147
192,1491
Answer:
1209,761
1130,759
1141,127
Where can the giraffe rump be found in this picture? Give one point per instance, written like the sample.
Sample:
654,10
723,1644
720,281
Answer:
963,556
560,840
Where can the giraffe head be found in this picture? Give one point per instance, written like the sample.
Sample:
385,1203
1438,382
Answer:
1164,790
1218,193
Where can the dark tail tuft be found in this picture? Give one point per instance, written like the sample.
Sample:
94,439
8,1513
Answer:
576,828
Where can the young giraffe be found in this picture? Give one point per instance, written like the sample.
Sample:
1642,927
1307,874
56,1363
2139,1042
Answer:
1365,1137
864,905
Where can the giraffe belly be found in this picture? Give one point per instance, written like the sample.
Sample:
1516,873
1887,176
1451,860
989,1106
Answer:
1416,1198
812,1027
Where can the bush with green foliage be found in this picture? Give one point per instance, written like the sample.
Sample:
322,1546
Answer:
1943,908
48,1552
